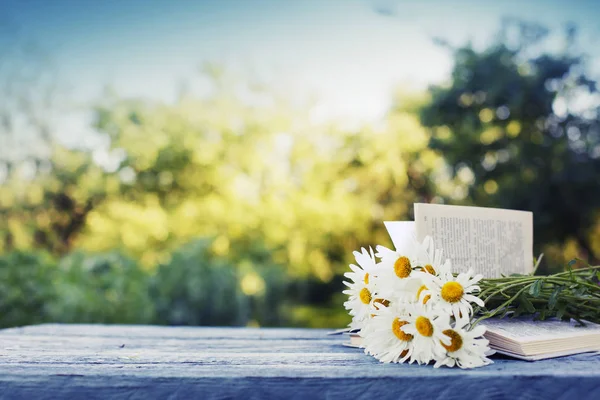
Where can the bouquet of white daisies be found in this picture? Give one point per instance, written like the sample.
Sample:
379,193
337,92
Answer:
410,307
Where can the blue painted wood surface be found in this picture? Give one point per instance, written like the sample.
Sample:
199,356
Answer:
131,362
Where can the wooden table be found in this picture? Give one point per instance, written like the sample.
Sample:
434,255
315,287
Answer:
130,362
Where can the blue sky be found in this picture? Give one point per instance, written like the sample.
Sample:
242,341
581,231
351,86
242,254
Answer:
343,51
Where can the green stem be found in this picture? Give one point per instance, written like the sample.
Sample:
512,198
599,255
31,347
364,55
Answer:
498,309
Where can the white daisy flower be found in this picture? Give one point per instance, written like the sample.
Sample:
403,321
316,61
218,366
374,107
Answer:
361,288
432,264
384,338
427,328
395,271
468,348
432,261
453,295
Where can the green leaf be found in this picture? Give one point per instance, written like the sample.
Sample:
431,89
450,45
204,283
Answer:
535,288
554,297
561,310
526,303
518,311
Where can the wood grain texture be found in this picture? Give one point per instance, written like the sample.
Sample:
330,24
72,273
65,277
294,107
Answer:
130,362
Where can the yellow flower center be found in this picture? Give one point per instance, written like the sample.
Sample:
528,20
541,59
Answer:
383,302
402,267
452,292
424,326
367,278
426,298
456,340
365,295
429,269
396,325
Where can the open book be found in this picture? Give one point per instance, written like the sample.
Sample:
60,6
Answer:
492,241
532,340
537,340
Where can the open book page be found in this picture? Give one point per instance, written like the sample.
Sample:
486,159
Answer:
401,232
525,330
492,241
536,357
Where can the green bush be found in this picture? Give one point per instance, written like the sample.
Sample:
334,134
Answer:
25,288
199,288
106,288
196,287
270,306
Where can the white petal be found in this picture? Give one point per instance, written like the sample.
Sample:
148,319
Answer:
474,299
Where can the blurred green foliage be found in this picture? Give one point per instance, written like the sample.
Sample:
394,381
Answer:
236,208
107,288
26,291
196,287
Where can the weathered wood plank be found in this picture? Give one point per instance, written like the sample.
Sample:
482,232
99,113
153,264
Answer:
56,361
127,345
264,387
314,365
171,332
